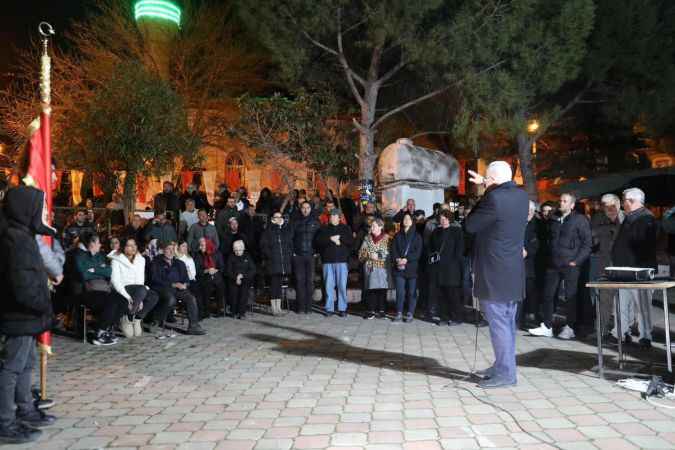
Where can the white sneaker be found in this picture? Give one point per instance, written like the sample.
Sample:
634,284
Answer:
138,327
566,333
542,331
127,327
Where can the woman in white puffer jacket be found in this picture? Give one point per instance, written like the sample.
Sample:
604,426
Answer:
128,281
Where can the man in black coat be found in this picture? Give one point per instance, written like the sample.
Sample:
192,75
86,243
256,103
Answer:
199,197
25,312
530,248
635,246
79,227
169,279
167,200
570,248
304,231
334,242
498,221
232,235
240,271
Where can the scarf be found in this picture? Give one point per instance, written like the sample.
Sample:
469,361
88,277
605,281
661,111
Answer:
209,260
377,238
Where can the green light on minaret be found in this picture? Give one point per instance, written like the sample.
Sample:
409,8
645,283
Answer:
157,9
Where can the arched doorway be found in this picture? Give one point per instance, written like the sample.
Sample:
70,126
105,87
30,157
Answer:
235,171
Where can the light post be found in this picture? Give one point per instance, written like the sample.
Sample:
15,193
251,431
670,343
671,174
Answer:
532,128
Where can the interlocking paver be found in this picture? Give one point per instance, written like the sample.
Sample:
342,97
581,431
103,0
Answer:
649,442
311,442
385,437
286,383
132,440
91,443
349,439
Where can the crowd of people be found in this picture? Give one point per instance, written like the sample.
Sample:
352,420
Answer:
195,260
204,260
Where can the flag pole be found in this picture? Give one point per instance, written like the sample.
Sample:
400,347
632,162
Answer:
46,32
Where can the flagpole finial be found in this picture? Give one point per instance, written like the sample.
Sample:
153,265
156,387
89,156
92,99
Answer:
46,31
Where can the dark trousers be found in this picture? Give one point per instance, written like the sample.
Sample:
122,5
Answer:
108,308
376,299
406,290
530,305
149,302
303,266
16,364
445,302
569,276
207,286
239,297
423,285
169,297
275,286
467,282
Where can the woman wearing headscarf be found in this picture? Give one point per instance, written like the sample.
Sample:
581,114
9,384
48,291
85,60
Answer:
210,269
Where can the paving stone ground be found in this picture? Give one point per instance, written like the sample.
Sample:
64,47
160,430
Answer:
331,383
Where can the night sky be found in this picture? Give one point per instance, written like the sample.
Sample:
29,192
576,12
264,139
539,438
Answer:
19,21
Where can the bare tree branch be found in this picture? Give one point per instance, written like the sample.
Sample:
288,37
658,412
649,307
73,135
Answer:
426,133
393,71
351,75
320,45
428,96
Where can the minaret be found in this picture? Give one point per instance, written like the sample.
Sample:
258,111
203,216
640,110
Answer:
158,21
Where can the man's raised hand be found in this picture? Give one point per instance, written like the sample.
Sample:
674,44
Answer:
476,178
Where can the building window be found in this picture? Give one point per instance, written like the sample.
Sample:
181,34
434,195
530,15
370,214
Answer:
235,171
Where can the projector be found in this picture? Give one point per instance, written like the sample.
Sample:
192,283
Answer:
630,273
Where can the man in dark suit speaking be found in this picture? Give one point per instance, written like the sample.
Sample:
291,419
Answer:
498,221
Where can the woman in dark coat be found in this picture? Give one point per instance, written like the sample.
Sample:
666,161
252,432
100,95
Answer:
405,253
210,269
276,247
446,253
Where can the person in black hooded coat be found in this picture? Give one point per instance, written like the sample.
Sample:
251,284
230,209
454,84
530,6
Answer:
25,311
276,247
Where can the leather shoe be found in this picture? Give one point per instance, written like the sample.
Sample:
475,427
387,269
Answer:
493,383
196,330
17,433
37,419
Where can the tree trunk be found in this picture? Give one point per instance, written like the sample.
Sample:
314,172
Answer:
367,156
129,196
527,168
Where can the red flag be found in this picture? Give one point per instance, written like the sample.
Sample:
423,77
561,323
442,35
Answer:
40,157
39,175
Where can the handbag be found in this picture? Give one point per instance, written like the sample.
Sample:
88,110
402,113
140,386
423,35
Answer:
435,257
99,285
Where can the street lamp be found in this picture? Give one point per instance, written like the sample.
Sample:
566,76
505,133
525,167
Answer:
532,128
